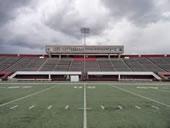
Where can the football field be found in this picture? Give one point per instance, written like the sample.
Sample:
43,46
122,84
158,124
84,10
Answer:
85,105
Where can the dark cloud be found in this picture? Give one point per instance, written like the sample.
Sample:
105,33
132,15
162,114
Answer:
40,22
7,8
139,12
69,21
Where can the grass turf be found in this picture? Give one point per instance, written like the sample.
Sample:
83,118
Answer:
106,94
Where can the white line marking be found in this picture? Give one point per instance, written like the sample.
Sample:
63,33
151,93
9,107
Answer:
120,107
102,107
49,107
80,87
141,96
85,108
67,106
91,87
141,87
14,107
33,106
75,86
35,93
155,107
14,87
138,107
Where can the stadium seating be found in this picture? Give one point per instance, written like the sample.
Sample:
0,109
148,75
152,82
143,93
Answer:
119,65
77,65
142,64
105,65
147,65
6,62
26,64
163,63
154,64
49,65
92,65
133,64
63,65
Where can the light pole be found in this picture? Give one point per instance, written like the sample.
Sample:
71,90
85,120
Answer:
84,31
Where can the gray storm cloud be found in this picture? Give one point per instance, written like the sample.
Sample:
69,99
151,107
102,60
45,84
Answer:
7,7
28,25
139,12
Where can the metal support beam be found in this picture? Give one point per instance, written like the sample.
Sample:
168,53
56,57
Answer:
49,77
119,77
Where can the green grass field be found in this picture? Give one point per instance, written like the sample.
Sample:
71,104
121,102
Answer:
65,105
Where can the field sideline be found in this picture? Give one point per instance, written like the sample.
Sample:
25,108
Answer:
85,105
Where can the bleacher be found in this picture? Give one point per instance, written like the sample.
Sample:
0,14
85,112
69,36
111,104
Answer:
133,64
105,65
63,65
92,65
6,62
119,65
163,63
26,64
142,64
50,64
77,65
154,64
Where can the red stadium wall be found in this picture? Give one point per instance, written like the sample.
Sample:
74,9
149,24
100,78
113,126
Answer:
82,58
32,76
103,78
146,55
131,56
4,73
155,55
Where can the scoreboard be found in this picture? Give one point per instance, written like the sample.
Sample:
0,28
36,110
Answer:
81,49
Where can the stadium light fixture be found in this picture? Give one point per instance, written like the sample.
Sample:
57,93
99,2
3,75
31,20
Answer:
85,31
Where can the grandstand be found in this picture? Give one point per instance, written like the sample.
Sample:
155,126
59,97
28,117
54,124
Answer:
131,91
106,63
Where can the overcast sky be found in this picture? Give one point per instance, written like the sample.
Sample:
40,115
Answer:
143,26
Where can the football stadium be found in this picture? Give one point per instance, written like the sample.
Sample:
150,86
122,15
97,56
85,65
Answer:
84,87
84,64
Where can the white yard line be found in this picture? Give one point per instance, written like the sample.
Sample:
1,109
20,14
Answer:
155,107
102,107
67,106
33,106
141,96
120,107
35,93
138,107
14,107
85,108
49,107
